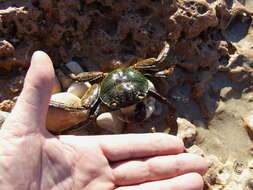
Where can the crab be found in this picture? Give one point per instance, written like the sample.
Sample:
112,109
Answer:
123,89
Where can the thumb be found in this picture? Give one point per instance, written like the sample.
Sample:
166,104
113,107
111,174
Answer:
29,113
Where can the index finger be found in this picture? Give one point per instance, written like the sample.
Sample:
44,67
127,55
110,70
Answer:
124,147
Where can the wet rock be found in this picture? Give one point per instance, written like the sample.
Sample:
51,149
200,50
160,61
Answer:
74,67
186,131
110,122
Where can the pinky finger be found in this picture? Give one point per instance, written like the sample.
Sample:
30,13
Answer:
190,181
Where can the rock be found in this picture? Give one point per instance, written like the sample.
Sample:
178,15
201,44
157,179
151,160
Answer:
226,92
212,177
238,167
186,131
248,124
79,88
194,149
6,48
7,59
74,67
7,105
110,122
226,176
56,86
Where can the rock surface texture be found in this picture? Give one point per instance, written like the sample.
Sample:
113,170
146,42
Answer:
211,86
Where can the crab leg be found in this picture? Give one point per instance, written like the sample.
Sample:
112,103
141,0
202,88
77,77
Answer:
146,64
161,74
163,100
84,76
171,117
151,63
88,76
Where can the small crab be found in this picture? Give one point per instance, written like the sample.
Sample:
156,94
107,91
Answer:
125,89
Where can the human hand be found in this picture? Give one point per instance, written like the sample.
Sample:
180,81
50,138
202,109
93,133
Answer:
32,158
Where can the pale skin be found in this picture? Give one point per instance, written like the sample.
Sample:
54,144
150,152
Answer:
32,158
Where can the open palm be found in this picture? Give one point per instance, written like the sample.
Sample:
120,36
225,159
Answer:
31,158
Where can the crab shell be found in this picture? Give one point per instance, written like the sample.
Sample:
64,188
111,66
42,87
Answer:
127,90
123,88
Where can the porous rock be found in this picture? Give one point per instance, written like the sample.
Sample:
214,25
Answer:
6,49
103,31
232,174
186,131
248,124
194,149
7,105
